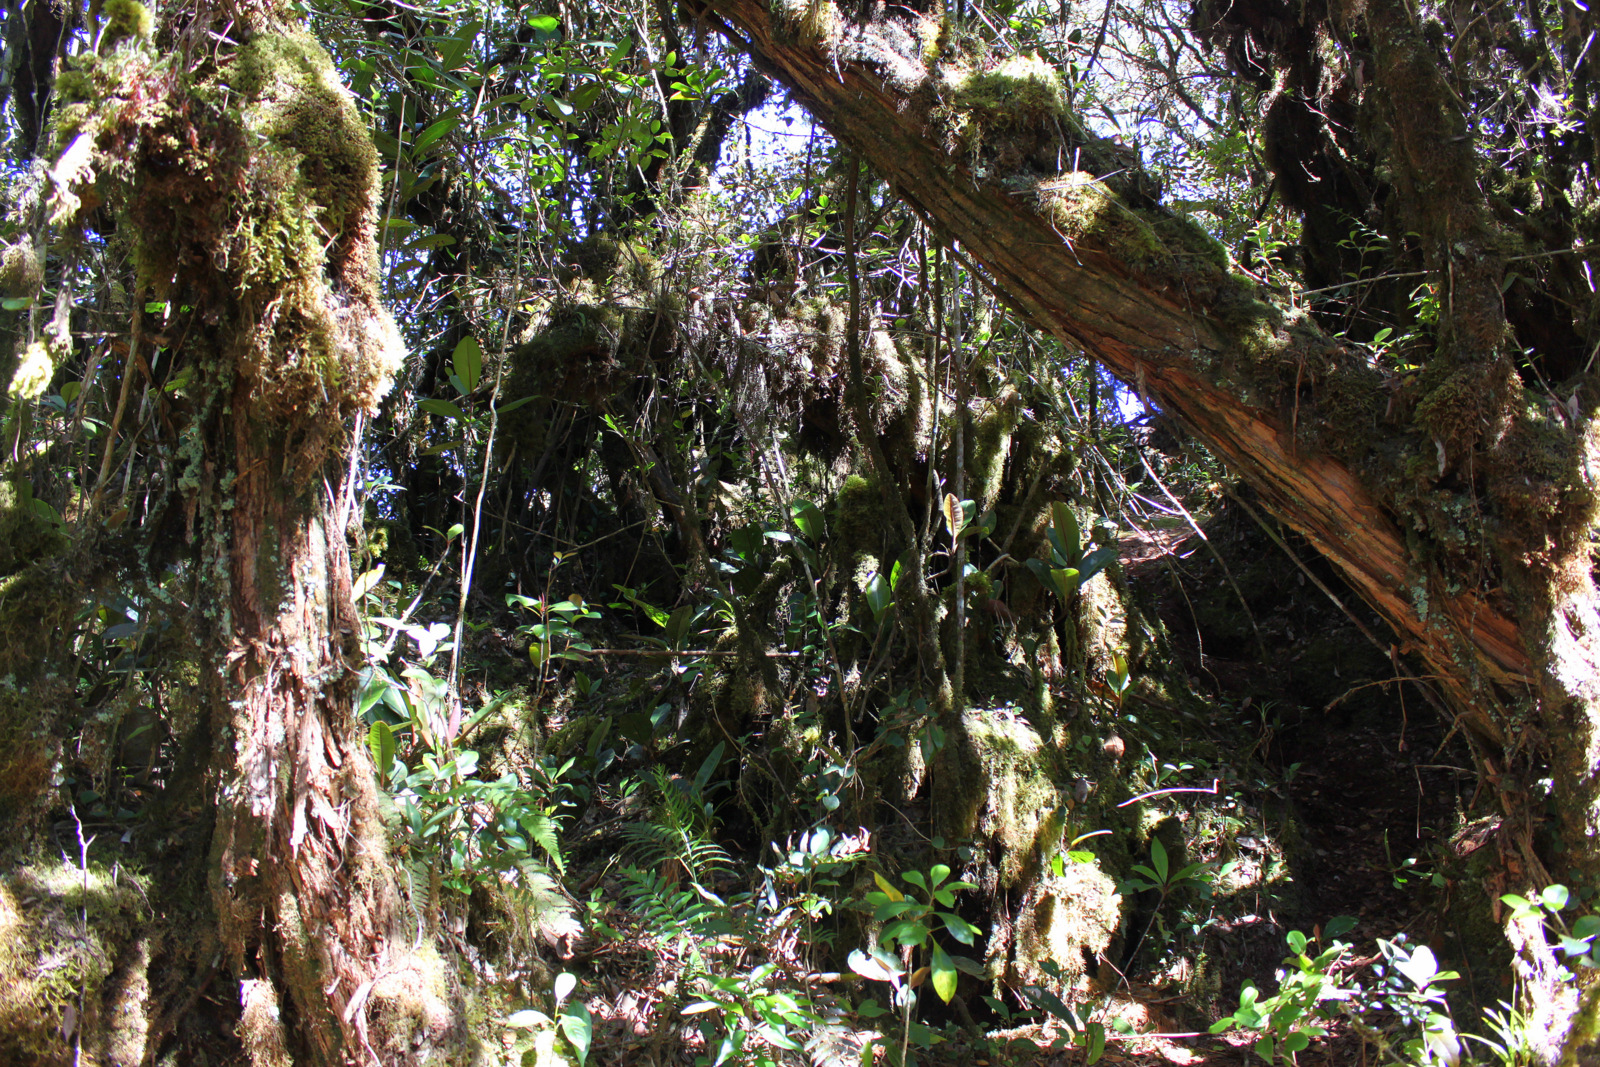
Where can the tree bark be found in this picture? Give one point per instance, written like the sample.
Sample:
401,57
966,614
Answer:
1495,596
250,202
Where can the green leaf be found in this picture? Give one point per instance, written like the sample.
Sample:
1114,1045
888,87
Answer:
1158,859
436,131
1339,925
441,407
959,928
1065,522
808,520
1264,1048
944,974
380,739
430,242
15,303
1297,942
1040,997
1066,581
579,1030
1095,1033
468,361
506,409
565,983
1555,897
879,596
1095,562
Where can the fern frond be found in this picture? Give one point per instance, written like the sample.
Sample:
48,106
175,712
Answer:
668,908
678,830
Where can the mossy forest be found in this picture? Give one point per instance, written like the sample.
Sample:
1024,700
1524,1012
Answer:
799,532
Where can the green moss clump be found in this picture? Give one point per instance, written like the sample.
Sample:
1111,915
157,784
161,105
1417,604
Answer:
1015,796
1023,92
125,20
1181,233
67,933
991,438
35,368
21,274
858,522
1461,402
1083,209
1535,480
807,22
305,240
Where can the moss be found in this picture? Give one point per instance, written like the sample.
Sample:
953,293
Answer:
1066,920
412,996
261,1029
125,20
1015,797
1181,233
858,520
21,274
1536,478
1461,402
1023,92
69,934
1083,209
991,440
808,22
26,535
35,369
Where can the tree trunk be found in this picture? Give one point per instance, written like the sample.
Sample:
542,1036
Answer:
1464,524
250,203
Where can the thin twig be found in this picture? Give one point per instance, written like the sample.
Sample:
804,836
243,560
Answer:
1215,782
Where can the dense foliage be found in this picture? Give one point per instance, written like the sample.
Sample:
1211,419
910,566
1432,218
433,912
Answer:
517,546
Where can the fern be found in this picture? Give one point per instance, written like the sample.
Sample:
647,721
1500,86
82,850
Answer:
679,830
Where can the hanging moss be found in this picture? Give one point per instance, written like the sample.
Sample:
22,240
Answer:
996,421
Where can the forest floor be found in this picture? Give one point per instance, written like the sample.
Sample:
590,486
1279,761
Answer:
1373,784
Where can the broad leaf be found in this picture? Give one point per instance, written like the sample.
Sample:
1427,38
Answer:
468,362
944,974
